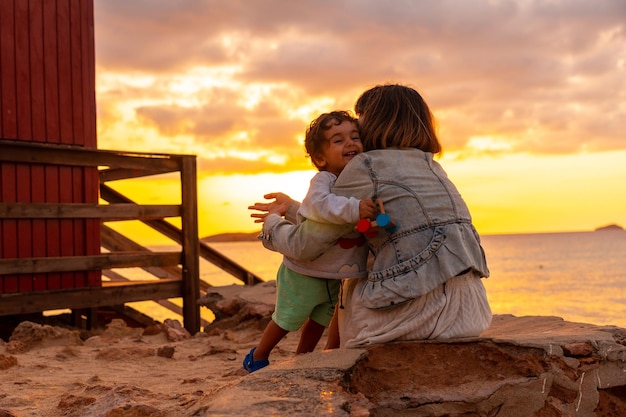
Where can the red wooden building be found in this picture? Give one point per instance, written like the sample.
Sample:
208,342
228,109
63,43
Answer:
47,95
52,227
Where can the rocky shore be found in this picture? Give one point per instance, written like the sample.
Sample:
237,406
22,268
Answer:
521,366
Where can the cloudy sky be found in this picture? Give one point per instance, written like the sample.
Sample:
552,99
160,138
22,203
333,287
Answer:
529,96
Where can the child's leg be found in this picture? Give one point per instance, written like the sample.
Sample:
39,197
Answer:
272,334
311,334
333,331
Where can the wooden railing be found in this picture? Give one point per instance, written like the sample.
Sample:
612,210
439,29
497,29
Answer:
177,272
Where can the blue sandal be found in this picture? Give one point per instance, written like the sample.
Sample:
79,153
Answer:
250,365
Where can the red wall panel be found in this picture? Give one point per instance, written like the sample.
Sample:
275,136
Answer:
47,94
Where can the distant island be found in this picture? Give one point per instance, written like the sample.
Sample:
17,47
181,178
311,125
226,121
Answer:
610,227
231,237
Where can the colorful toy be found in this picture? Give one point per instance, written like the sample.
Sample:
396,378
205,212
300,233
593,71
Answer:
383,221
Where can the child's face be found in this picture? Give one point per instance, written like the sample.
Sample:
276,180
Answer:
342,144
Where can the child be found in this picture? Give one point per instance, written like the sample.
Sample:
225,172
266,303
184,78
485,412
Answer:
306,291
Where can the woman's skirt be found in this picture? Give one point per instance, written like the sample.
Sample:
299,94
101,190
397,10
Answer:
457,308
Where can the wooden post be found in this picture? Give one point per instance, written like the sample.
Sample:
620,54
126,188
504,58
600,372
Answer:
190,244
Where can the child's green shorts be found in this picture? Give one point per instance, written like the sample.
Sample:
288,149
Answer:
299,297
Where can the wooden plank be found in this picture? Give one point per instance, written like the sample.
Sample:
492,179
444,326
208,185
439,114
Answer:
50,58
1,229
24,226
38,111
8,102
116,242
173,307
51,238
9,227
66,131
53,227
92,247
38,195
174,233
89,73
66,226
37,70
88,65
22,71
24,130
88,211
87,263
88,297
75,156
80,277
8,129
64,79
75,57
191,247
107,175
38,117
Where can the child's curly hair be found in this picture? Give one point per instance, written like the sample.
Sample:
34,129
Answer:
314,137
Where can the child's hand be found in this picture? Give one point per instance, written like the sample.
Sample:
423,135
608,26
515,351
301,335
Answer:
279,206
367,208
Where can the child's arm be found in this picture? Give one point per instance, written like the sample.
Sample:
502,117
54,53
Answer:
367,208
324,207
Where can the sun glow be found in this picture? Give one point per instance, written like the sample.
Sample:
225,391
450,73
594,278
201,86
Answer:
224,200
526,193
311,110
505,194
489,144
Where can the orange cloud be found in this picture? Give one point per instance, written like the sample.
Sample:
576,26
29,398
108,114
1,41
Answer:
237,82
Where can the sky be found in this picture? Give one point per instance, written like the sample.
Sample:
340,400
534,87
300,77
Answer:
529,97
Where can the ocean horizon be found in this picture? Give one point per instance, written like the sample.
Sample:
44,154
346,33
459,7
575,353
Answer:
578,276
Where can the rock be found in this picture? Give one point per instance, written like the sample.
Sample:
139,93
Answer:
238,307
135,410
520,366
166,351
175,331
118,328
124,353
70,402
28,335
7,361
577,349
528,366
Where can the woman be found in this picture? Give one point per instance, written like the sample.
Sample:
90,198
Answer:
425,276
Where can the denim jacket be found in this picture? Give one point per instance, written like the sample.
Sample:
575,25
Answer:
434,238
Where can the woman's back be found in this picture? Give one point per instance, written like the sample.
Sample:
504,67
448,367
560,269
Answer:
433,238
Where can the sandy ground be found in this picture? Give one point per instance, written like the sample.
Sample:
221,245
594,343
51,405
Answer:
160,371
119,371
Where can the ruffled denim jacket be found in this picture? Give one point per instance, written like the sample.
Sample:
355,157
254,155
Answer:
433,240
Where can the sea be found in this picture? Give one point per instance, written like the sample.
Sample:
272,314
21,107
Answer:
578,276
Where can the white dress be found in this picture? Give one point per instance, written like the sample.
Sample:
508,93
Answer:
457,308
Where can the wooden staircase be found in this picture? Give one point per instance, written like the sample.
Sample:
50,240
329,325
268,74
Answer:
176,273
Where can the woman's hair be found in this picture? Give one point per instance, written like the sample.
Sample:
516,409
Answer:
396,116
314,137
